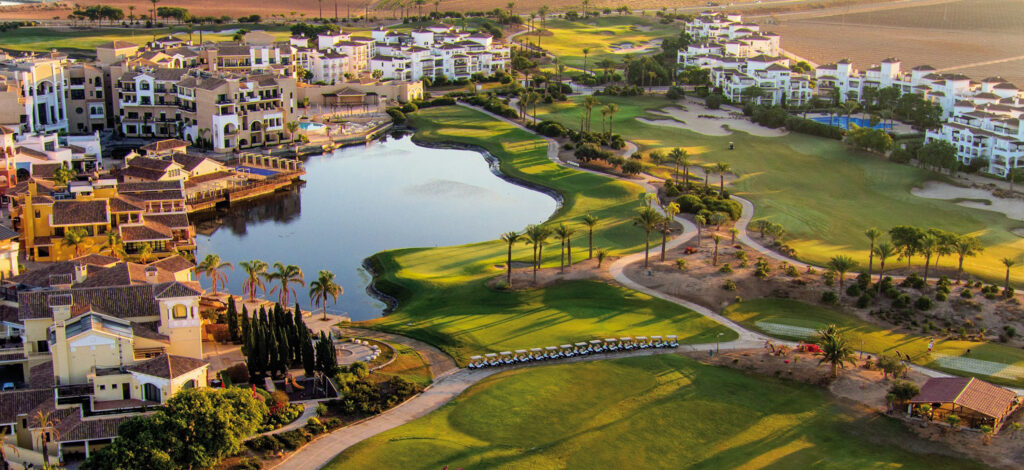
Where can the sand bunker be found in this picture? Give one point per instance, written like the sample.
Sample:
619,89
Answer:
710,122
974,198
627,47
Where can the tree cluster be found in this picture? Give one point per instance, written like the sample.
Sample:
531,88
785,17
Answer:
98,13
196,428
276,340
870,139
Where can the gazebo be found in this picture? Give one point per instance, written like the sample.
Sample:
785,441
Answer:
976,402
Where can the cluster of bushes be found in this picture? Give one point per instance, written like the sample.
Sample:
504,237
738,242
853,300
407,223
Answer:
709,204
443,81
615,90
493,104
11,25
364,398
675,93
777,116
549,129
291,440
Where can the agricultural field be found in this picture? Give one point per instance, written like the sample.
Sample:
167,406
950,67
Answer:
792,320
979,38
608,37
663,411
823,193
443,293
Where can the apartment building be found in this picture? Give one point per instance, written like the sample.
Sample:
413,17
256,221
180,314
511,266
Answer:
35,93
147,102
987,127
436,51
86,99
236,111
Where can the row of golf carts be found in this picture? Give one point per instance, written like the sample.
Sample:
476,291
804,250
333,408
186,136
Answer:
521,356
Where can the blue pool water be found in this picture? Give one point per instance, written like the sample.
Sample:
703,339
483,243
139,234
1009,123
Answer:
844,122
257,171
310,126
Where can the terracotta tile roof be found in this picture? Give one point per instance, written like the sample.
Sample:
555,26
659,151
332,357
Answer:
19,402
122,204
75,428
150,163
188,162
124,274
148,330
167,366
79,212
117,45
173,220
178,289
217,175
6,233
41,275
41,375
166,195
147,186
44,170
165,145
968,392
148,231
133,301
8,314
173,264
95,259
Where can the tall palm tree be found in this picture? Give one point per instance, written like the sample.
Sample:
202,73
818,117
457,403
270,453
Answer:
928,245
605,111
884,250
722,168
324,288
537,235
1009,263
965,246
589,102
586,52
700,221
612,109
48,432
511,238
75,238
717,239
145,253
115,245
212,266
590,220
872,234
255,272
564,233
835,349
678,157
842,264
648,219
286,275
666,226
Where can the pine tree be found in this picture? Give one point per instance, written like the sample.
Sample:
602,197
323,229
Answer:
232,320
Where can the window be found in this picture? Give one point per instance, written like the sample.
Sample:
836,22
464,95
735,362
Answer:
78,94
42,346
113,386
179,311
103,387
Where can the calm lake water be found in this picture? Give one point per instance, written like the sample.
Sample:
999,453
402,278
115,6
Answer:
358,201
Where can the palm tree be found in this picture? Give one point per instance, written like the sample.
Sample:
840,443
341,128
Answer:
612,109
872,234
965,245
884,250
589,102
733,232
537,235
511,238
648,219
562,232
842,264
75,238
928,245
48,432
835,349
717,239
324,288
700,221
212,266
666,226
722,168
285,275
678,156
255,272
590,220
145,253
114,244
601,255
605,111
586,52
1009,263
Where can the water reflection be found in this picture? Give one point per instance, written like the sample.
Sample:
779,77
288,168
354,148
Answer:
361,200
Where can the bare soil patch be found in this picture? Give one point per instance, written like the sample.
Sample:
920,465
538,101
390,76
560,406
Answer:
692,115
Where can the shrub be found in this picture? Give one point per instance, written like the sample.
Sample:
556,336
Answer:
333,423
941,296
690,204
238,373
902,301
863,281
725,269
853,290
551,129
966,293
924,303
729,285
293,439
863,301
791,271
409,108
314,426
681,264
913,280
829,298
632,167
248,464
264,444
397,116
321,409
904,391
1008,292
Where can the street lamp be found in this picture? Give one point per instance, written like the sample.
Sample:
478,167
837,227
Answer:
717,338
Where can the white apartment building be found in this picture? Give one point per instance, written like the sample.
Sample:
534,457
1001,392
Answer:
987,126
436,51
37,87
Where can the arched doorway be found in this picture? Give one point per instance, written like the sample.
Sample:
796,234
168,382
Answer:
151,392
189,384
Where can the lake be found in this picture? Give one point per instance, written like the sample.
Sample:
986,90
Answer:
358,201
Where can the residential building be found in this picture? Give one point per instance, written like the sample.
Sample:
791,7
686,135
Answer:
36,88
147,102
86,99
435,52
987,127
236,112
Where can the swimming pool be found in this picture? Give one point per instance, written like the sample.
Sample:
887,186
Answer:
310,126
256,171
844,122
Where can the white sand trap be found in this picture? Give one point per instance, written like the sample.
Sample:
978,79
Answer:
709,122
977,366
631,48
1013,208
789,331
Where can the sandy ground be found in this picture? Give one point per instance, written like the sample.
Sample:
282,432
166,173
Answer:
692,115
581,269
631,48
1013,208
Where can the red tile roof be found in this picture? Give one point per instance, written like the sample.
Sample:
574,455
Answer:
968,392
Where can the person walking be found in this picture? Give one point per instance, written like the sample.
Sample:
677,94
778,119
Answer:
931,344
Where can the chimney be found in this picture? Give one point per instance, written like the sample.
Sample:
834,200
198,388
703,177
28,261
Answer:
60,304
80,272
151,275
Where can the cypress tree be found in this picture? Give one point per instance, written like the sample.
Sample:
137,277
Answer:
284,351
232,320
308,357
252,358
260,334
273,364
246,333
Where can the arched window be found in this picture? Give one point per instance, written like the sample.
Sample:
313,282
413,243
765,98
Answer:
151,392
189,384
179,311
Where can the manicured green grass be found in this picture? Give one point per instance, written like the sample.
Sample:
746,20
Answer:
867,337
408,364
823,193
443,295
85,41
569,38
645,412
